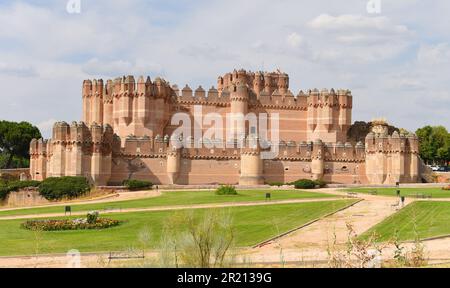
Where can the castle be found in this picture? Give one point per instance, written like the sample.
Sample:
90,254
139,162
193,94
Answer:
127,133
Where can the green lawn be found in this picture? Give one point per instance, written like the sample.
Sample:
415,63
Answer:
252,224
430,218
174,199
407,192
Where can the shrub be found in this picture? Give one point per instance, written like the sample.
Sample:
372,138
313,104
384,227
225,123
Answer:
3,192
226,190
64,187
63,225
135,185
304,184
321,183
447,188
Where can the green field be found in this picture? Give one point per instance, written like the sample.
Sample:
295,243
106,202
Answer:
407,192
430,218
174,199
252,225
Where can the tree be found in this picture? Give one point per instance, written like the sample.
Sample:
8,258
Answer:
434,144
15,141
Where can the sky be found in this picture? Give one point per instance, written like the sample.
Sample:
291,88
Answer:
396,59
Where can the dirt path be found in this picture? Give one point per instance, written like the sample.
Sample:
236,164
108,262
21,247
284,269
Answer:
311,243
171,208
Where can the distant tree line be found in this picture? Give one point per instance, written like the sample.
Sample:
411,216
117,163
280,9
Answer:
434,144
15,141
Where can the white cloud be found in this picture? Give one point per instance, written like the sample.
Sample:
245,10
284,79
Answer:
434,54
346,23
95,67
17,70
294,40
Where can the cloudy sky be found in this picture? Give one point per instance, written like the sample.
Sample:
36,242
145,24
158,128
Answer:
396,62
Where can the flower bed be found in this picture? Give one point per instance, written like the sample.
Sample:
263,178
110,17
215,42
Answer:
64,225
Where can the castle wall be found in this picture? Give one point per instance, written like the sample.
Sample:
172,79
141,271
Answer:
127,130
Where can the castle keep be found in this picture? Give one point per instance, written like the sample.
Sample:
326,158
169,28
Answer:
127,133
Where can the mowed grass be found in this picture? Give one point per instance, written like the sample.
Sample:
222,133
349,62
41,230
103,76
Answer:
174,199
407,192
252,225
429,219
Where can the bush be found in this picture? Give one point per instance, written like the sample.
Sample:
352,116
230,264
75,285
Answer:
64,188
321,183
135,185
226,190
63,225
447,188
304,184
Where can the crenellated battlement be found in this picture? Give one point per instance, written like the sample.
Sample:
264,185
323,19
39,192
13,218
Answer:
395,143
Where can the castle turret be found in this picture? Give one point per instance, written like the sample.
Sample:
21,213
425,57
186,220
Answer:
87,96
78,135
239,108
173,164
108,100
258,84
283,83
413,142
97,101
61,132
251,163
317,160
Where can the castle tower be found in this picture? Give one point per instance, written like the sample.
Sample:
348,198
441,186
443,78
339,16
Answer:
239,107
251,163
38,159
87,98
173,164
108,100
258,84
97,102
413,142
317,160
77,138
345,110
102,139
283,83
397,169
60,135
